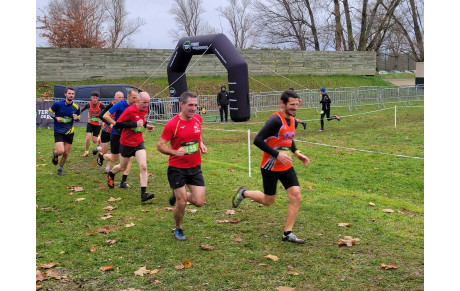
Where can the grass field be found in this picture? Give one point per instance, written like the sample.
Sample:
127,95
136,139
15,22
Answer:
337,187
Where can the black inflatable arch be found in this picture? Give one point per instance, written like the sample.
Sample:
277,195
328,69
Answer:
233,61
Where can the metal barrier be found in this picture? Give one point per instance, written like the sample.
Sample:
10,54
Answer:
344,97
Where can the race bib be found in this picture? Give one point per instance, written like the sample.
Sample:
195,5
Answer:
65,119
191,147
94,118
138,129
284,149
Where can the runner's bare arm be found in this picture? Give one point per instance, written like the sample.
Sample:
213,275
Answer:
162,147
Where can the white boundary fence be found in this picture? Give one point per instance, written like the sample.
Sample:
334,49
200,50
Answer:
345,97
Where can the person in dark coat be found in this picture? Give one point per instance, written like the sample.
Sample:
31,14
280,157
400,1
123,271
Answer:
222,103
326,108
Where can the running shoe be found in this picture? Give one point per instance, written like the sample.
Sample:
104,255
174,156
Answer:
337,117
125,185
55,160
110,180
59,172
96,150
107,170
100,159
292,238
85,155
321,130
179,234
238,197
147,196
172,199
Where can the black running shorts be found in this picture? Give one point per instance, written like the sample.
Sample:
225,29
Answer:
270,179
105,136
95,129
115,144
127,151
60,137
179,177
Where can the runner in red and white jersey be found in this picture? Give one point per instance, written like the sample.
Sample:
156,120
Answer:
184,134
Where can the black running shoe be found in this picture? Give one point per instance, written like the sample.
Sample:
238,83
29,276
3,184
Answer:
125,185
55,159
147,196
110,180
172,199
100,159
96,150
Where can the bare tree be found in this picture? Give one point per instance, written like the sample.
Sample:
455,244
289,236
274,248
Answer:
241,22
73,23
120,28
189,19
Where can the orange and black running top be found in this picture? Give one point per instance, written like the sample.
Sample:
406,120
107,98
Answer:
276,135
93,112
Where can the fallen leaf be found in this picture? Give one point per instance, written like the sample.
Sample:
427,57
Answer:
169,208
390,266
106,216
93,249
150,174
62,252
40,276
371,204
80,199
102,188
154,271
230,212
75,188
283,288
179,267
40,186
347,241
114,199
70,193
111,241
207,247
109,208
156,282
145,210
344,224
105,229
231,170
90,232
41,165
272,257
48,266
54,274
238,239
141,271
38,287
187,264
293,273
106,268
130,225
388,210
193,210
354,195
262,264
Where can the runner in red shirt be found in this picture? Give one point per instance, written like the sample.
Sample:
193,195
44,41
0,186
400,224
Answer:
276,140
133,123
185,136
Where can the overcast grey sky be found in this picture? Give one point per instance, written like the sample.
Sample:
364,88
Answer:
154,34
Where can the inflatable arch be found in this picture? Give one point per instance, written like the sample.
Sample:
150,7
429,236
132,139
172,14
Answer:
233,61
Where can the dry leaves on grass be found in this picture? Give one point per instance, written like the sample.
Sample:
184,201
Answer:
230,212
192,210
93,249
283,288
106,268
75,188
186,264
129,225
390,266
102,187
238,239
41,165
344,224
347,241
105,229
157,282
80,199
272,257
169,208
143,271
48,274
372,204
234,220
48,265
206,247
106,216
114,199
109,208
111,241
388,210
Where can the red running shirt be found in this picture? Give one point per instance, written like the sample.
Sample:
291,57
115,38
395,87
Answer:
129,137
187,134
93,113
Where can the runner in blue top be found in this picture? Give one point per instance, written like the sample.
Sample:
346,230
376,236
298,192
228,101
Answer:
116,110
64,113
